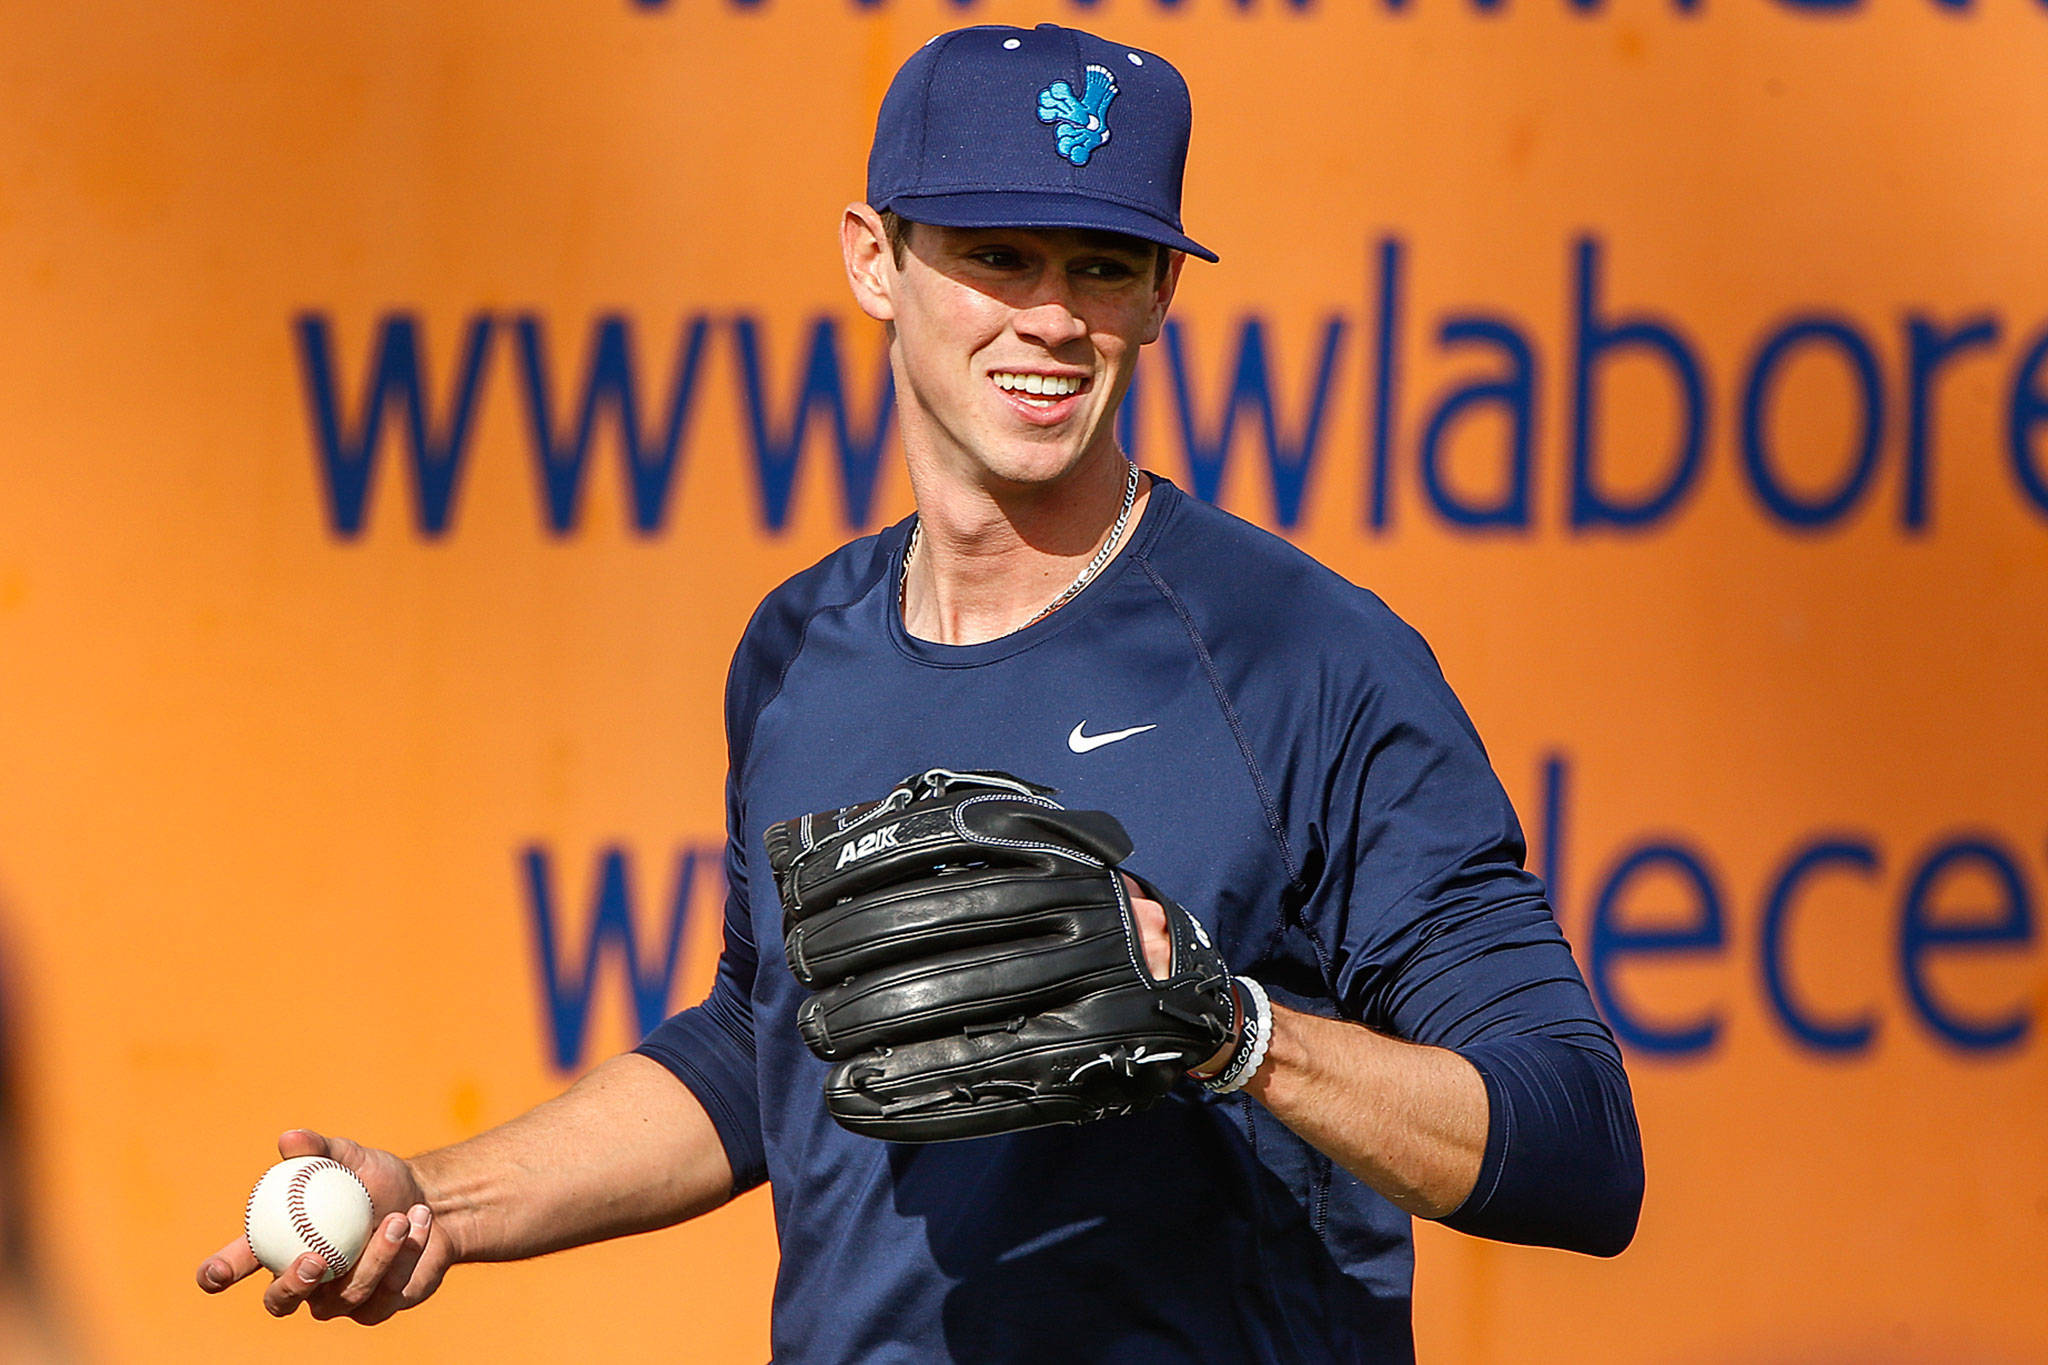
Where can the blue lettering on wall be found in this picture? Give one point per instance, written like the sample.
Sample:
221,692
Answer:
1926,928
1595,339
1928,348
348,458
2028,409
808,415
651,969
1513,393
1823,510
1386,357
777,446
1613,937
608,385
1251,386
1841,855
1923,920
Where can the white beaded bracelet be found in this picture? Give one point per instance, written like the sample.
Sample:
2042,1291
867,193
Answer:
1251,1046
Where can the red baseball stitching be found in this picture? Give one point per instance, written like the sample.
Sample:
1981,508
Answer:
302,1222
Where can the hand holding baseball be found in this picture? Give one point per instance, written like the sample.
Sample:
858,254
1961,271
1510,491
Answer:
402,1262
308,1203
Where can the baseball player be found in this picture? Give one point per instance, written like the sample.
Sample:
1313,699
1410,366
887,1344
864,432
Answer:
1200,916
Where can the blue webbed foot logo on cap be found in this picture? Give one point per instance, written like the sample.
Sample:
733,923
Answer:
1084,122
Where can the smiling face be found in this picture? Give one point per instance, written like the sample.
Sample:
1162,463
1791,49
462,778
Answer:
1012,346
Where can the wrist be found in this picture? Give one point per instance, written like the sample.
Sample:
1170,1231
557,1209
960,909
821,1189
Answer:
1254,1036
1213,1066
455,1210
1284,1056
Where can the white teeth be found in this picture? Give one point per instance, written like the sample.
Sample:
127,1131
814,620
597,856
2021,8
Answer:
1053,385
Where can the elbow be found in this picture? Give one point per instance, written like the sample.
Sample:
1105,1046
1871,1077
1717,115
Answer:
1615,1206
1610,1233
1592,1214
1592,1218
1572,1175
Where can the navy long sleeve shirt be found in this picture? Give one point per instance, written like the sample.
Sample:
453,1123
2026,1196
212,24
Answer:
1308,786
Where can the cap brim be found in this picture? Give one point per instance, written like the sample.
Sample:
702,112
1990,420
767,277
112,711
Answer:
1038,209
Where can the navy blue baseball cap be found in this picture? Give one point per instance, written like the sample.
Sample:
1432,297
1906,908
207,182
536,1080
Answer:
1035,127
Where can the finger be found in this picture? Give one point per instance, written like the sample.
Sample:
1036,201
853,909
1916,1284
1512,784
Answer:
1154,938
299,1282
404,1283
385,1245
231,1263
419,1228
301,1142
306,1142
349,1153
405,1267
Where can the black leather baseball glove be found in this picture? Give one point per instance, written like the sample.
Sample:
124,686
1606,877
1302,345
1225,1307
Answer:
976,966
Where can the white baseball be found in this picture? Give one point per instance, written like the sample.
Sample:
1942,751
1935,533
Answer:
309,1203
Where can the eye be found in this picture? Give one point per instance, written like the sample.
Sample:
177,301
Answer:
1108,269
997,257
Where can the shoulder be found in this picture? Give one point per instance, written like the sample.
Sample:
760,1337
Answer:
1325,684
1249,594
775,634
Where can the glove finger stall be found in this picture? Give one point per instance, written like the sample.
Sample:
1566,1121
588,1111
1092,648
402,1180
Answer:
1104,1056
941,914
984,987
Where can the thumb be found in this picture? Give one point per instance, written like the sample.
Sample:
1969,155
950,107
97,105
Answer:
351,1154
306,1142
301,1142
1155,940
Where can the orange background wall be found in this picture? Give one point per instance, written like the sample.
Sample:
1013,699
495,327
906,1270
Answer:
268,789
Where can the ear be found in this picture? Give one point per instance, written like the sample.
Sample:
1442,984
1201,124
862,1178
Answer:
870,263
1162,297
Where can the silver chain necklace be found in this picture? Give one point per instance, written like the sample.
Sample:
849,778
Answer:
1116,533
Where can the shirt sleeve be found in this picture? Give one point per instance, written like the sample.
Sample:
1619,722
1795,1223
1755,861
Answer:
710,1047
1438,935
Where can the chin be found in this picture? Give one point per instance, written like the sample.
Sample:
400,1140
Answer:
1039,457
1033,468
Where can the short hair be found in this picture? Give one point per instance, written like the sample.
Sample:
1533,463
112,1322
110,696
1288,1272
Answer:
898,228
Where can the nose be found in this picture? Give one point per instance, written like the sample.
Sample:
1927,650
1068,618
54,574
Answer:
1050,320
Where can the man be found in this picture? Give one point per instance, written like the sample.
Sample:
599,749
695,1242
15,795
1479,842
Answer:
1283,751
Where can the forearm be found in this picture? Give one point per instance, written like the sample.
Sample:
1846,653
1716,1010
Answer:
626,1149
1408,1120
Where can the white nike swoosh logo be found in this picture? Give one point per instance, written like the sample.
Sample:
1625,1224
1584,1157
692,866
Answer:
1082,744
